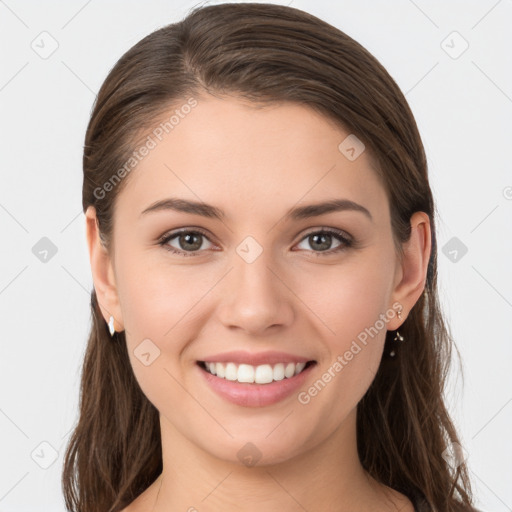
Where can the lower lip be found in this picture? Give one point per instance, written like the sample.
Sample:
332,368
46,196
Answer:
255,395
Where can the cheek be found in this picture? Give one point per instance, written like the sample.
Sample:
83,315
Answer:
353,308
162,308
158,297
348,300
351,303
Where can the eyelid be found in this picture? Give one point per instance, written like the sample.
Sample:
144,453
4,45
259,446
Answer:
337,231
189,229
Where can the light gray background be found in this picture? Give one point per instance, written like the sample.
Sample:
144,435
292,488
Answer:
463,107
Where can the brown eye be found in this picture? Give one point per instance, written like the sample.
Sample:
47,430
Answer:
190,241
187,242
321,241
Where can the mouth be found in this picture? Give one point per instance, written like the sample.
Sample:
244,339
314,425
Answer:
255,386
256,375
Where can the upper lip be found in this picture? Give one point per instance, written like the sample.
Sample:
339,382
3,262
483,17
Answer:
255,359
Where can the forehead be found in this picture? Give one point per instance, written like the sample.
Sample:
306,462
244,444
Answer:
249,159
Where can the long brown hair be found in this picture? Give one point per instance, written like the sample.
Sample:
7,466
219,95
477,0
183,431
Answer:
267,54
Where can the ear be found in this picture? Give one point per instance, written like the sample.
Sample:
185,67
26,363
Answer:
411,272
102,272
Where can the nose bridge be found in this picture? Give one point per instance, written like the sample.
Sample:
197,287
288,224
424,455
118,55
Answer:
255,297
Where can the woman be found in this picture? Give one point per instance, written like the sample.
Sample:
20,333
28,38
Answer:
233,364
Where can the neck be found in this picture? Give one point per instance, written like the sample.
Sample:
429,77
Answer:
327,477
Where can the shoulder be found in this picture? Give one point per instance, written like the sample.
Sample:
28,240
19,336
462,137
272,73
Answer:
397,500
144,501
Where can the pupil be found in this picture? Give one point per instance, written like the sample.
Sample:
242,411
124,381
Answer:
187,239
324,236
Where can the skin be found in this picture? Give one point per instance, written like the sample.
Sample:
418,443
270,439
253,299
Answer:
256,164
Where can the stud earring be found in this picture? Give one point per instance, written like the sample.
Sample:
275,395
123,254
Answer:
111,326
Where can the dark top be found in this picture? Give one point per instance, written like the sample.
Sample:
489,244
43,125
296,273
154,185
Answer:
419,502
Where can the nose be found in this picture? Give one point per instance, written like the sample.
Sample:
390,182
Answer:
256,297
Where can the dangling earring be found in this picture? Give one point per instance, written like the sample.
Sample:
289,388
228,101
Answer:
398,338
111,326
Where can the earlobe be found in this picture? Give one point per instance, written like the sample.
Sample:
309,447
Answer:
414,265
102,272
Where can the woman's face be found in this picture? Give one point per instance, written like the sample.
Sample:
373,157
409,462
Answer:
259,280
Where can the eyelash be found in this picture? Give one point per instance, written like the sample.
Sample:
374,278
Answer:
340,235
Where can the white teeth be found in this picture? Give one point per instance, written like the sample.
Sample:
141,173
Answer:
279,371
245,373
290,370
221,369
299,367
231,371
262,374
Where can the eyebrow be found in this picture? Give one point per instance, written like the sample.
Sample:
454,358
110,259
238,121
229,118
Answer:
299,213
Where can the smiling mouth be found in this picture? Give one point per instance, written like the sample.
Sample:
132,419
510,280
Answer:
249,374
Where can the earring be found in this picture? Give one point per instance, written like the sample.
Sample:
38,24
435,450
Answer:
398,338
111,326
